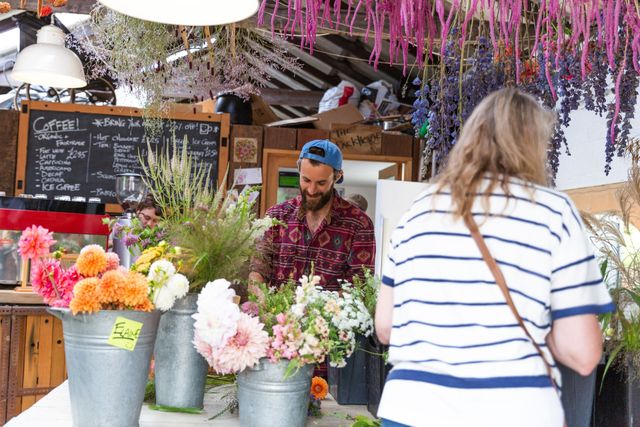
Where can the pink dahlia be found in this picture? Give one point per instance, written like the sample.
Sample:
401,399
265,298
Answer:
113,261
46,275
35,242
67,282
203,347
244,349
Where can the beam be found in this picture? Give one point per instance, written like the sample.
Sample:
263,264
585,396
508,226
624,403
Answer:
294,98
73,6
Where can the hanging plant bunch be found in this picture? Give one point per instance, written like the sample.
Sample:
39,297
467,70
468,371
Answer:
565,53
151,58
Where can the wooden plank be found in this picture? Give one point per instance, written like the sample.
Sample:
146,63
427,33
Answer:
397,144
58,363
5,343
9,120
245,149
44,348
280,138
306,135
30,373
361,139
294,98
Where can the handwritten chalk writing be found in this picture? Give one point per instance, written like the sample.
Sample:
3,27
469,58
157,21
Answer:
109,122
41,125
81,153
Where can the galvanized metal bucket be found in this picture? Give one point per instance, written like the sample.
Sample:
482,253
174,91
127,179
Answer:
180,371
106,383
267,399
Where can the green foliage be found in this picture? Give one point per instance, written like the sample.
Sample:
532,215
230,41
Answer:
179,184
367,290
272,302
617,243
364,421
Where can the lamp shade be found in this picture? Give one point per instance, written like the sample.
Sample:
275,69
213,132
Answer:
48,62
186,12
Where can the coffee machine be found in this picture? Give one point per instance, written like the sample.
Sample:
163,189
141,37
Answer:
130,190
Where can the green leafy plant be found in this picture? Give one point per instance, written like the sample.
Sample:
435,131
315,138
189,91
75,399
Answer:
617,241
367,290
215,230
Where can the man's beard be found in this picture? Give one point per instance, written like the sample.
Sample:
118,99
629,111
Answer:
315,204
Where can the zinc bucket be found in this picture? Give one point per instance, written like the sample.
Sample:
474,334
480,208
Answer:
180,371
107,383
267,399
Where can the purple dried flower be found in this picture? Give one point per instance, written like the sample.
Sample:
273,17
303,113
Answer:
131,239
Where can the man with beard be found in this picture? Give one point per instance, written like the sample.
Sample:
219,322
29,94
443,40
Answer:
318,229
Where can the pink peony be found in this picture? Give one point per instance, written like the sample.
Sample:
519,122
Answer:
244,349
35,242
46,276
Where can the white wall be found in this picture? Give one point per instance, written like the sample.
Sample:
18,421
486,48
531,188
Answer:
586,138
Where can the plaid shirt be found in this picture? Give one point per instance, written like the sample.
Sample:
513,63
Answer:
342,245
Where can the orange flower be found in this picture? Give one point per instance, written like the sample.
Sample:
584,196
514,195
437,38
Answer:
91,261
110,286
85,296
147,305
135,290
5,7
319,388
57,3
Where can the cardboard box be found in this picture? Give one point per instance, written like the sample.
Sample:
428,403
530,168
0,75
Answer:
346,114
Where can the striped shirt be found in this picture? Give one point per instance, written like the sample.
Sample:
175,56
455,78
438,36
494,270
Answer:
459,356
342,245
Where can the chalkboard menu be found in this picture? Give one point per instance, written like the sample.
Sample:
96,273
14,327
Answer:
79,153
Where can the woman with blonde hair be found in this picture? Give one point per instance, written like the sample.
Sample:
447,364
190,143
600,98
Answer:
489,281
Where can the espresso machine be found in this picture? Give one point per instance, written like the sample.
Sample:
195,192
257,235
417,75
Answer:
130,190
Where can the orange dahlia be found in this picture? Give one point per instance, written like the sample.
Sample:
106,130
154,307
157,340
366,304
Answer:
319,388
135,290
91,261
85,296
147,305
110,286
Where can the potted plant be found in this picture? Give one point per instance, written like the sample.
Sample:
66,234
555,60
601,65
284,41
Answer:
109,326
212,234
273,341
618,242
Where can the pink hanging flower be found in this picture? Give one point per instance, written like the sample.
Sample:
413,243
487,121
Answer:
35,242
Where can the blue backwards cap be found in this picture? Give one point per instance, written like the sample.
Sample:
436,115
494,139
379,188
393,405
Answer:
323,151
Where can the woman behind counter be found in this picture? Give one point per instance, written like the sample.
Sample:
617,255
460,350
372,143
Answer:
459,356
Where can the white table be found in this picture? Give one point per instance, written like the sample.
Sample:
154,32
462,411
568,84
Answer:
54,410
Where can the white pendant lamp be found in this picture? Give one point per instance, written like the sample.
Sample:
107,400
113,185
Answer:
186,12
48,62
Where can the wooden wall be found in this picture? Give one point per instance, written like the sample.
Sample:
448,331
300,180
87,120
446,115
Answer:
32,360
8,149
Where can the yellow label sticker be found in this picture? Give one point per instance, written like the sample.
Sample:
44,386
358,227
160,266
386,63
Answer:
125,333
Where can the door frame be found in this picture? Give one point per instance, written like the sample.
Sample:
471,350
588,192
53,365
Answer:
274,159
